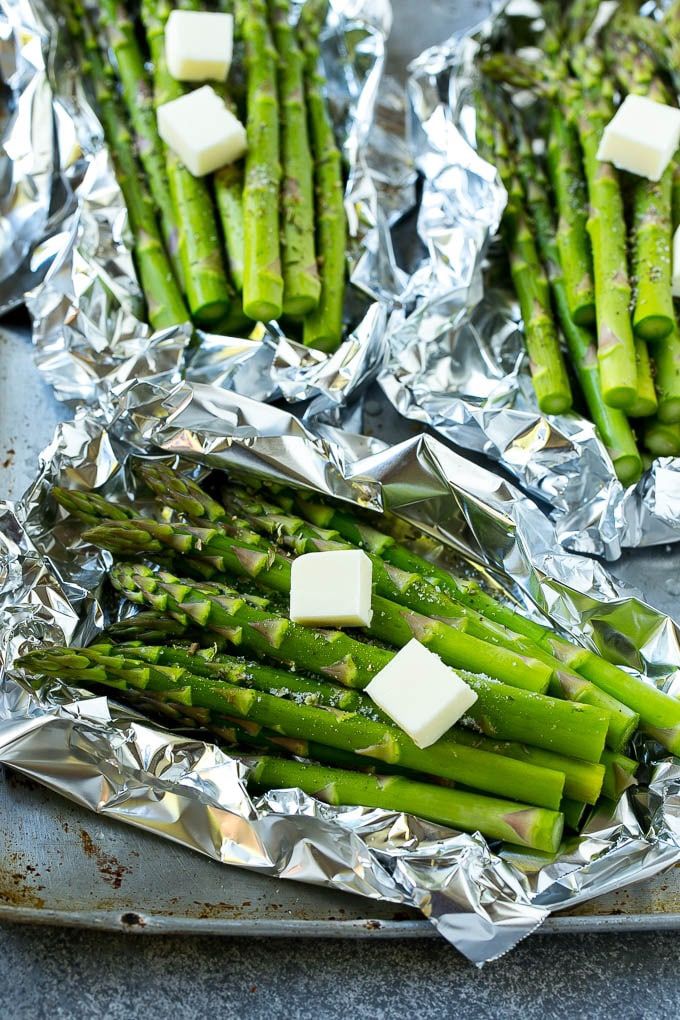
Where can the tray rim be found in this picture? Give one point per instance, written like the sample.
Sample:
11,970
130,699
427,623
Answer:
140,923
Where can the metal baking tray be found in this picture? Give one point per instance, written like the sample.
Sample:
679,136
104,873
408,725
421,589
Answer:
60,864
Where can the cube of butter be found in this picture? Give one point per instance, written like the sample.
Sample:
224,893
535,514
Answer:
199,45
641,137
421,694
331,589
202,131
675,280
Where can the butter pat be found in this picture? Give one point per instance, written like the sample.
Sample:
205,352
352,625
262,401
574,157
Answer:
202,131
641,137
675,282
199,45
420,693
331,589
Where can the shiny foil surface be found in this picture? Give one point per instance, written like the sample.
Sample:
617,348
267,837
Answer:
107,758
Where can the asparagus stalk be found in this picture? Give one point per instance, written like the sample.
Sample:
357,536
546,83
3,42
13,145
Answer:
345,730
208,292
407,588
229,199
301,286
165,305
391,622
574,813
619,774
573,245
607,230
547,366
500,712
614,427
662,440
667,362
137,95
532,827
657,710
323,326
228,184
262,280
653,317
581,779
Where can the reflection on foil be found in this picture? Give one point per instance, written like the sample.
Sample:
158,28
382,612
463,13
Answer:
482,899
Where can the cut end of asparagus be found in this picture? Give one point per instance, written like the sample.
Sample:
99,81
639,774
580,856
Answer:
653,327
628,467
669,411
210,313
623,397
584,315
300,304
555,403
261,310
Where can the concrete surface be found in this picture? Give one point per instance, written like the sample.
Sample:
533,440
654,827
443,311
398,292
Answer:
66,975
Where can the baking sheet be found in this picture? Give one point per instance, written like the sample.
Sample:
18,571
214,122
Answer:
62,865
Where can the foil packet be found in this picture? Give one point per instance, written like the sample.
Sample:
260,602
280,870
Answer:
111,760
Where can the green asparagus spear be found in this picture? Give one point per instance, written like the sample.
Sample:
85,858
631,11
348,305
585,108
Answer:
662,440
323,326
207,289
548,373
345,730
229,199
653,317
164,301
391,622
607,230
529,826
301,286
137,94
656,709
564,164
614,427
262,280
501,712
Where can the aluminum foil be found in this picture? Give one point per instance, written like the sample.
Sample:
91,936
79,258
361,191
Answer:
111,760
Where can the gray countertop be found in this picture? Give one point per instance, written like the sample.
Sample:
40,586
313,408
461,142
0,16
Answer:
71,975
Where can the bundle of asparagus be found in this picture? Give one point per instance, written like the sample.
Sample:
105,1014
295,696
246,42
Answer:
214,645
248,242
602,239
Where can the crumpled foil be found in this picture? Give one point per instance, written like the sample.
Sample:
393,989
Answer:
449,354
111,760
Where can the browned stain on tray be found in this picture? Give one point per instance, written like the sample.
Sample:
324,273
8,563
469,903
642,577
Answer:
19,885
108,866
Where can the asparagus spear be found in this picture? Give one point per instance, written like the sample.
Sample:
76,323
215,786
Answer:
613,424
582,780
229,199
345,730
391,622
662,440
228,183
301,286
164,301
619,774
207,289
653,317
262,280
547,366
607,230
564,165
323,327
501,711
574,813
137,95
667,354
529,826
407,588
656,709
